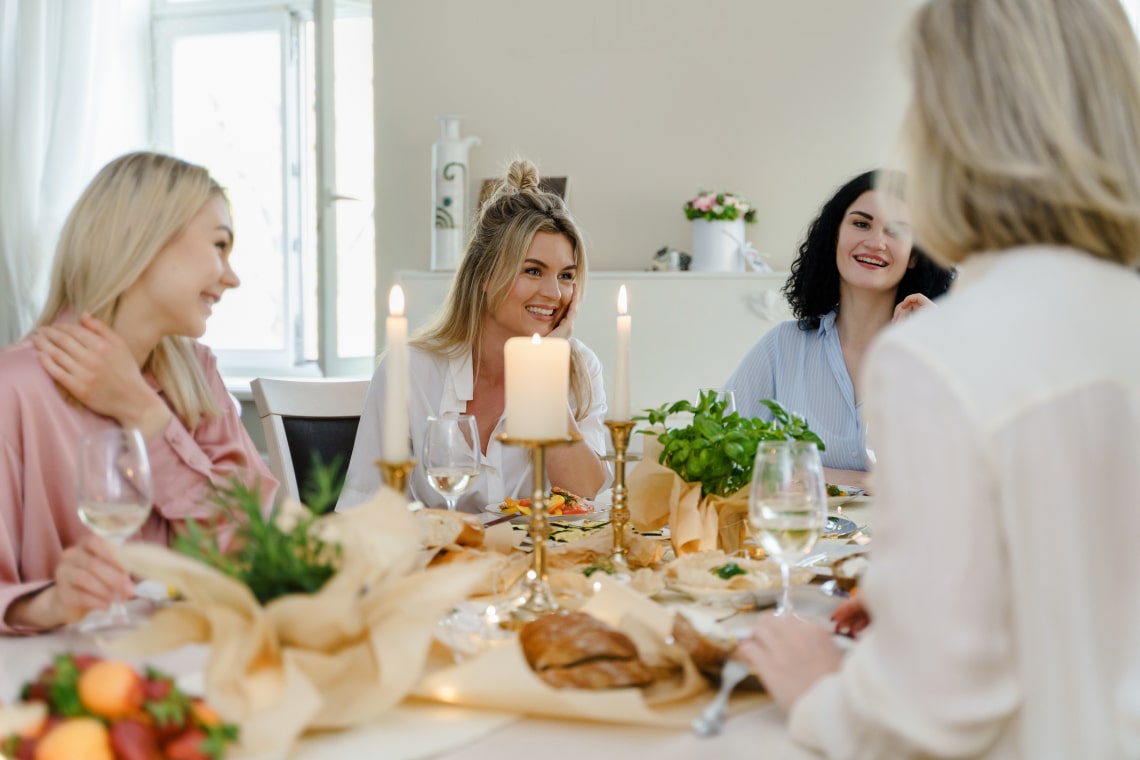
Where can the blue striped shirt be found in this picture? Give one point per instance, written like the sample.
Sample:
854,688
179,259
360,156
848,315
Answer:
805,372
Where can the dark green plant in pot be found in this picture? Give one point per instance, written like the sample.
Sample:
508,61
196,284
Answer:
717,449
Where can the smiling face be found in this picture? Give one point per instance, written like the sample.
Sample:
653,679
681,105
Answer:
873,251
177,291
542,290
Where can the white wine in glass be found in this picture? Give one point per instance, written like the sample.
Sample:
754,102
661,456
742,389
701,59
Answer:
114,493
451,455
787,505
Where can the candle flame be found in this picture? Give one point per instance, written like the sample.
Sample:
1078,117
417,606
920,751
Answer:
536,339
396,301
623,299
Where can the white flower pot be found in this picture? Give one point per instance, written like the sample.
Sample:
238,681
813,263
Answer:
717,246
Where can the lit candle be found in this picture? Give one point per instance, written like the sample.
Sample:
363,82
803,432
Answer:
620,409
396,433
537,388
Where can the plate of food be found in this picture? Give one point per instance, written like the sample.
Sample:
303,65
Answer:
717,578
839,495
561,506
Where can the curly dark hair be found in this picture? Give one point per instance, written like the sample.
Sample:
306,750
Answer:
813,288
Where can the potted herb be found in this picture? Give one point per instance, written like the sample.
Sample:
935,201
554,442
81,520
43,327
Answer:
695,477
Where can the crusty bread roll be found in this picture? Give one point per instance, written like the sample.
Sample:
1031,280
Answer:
446,528
575,650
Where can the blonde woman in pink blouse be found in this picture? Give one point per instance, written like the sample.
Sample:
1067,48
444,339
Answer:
141,261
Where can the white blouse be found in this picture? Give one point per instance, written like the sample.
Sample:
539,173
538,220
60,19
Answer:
440,385
1005,613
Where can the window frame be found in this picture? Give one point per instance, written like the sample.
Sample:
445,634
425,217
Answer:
172,20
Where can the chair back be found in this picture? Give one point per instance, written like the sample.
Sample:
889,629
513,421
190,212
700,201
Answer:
303,418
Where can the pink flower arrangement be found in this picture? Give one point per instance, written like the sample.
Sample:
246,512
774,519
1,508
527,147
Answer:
719,207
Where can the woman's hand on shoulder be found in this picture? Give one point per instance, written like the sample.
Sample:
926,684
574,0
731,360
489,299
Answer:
565,326
95,365
911,304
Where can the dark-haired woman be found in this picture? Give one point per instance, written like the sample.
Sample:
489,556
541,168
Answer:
857,271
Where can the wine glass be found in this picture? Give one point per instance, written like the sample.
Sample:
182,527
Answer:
114,495
787,505
451,455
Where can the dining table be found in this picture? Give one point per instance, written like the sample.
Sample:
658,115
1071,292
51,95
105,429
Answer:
419,728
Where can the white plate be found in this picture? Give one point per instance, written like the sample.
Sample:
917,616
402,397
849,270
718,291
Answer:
728,597
599,513
827,551
838,501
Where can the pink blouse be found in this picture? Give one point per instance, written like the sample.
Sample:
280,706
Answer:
38,434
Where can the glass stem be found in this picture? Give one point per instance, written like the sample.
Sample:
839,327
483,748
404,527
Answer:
785,607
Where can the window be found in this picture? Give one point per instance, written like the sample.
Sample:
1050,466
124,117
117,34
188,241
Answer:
275,98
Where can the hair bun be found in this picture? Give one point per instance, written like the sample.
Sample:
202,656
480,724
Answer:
523,176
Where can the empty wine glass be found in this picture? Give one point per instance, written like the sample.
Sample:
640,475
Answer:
114,495
787,505
451,455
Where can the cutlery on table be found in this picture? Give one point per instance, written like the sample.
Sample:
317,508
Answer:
710,721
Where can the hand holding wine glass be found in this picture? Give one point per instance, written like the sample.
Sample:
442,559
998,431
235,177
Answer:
451,455
114,494
787,504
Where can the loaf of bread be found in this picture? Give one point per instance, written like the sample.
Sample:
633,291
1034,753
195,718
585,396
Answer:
445,528
707,652
575,650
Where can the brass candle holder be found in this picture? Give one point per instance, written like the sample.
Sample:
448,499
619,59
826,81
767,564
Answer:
537,599
395,474
619,513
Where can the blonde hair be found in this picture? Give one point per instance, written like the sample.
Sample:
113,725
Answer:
1024,127
493,261
134,207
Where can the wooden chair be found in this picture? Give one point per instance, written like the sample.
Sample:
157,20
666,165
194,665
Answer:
301,417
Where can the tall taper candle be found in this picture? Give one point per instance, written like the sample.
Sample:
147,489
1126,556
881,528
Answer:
537,388
620,408
396,433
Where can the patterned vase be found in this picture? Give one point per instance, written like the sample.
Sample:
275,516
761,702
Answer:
449,194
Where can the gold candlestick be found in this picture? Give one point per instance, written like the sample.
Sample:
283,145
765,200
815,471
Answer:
619,513
537,599
395,474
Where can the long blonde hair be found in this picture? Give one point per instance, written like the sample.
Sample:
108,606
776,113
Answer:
492,262
1024,127
134,207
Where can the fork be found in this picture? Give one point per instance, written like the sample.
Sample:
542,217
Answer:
710,721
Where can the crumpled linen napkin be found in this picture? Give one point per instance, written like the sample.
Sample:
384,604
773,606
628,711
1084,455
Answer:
329,660
658,497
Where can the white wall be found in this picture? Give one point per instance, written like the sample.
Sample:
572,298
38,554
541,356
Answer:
640,103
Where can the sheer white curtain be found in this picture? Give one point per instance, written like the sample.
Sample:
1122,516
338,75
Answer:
73,94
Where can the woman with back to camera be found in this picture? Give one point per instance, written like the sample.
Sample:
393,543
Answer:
523,273
141,260
857,271
1003,619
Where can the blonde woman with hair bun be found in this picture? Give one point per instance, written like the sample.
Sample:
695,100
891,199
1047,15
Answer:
524,272
998,617
141,261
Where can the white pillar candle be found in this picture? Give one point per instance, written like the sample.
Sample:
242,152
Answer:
537,388
396,433
619,410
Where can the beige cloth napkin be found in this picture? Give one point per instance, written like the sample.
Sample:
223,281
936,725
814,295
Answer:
501,679
659,497
337,658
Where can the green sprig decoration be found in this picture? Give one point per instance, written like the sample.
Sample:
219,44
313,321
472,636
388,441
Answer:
270,558
717,449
